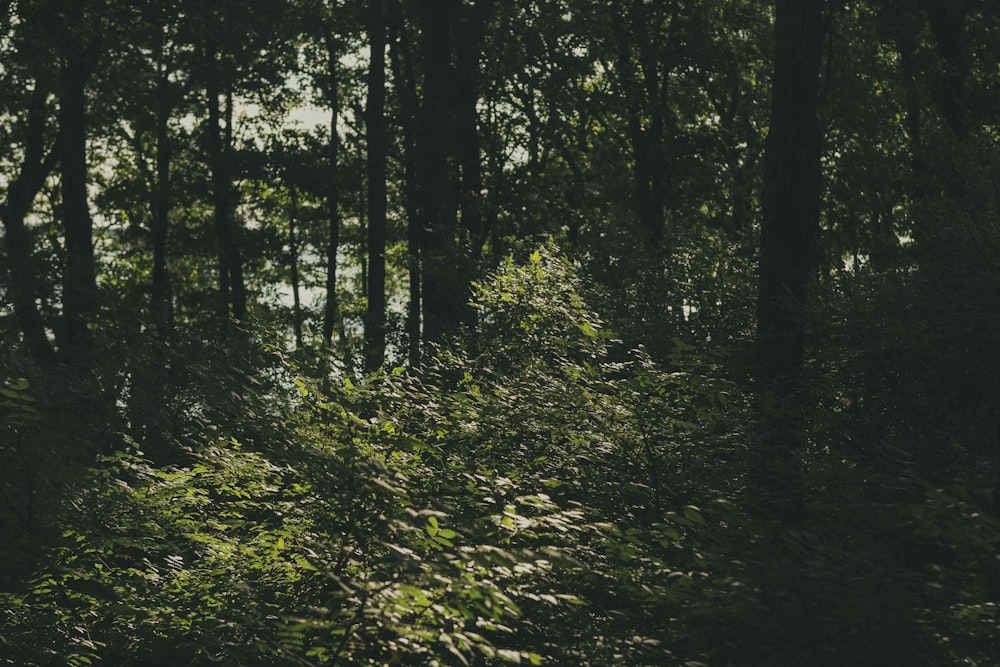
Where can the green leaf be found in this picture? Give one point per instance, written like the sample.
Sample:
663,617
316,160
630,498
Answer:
432,525
691,512
508,655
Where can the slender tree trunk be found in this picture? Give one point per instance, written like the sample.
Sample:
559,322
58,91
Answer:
788,258
293,251
148,413
232,290
947,20
730,111
443,288
375,320
646,104
468,38
160,297
654,169
79,278
362,248
331,308
234,258
35,168
219,186
403,78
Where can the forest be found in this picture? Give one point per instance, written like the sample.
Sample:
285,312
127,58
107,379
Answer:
481,332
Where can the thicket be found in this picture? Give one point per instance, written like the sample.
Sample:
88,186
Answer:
541,492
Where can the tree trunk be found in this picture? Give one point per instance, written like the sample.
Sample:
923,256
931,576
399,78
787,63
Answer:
791,198
646,105
293,260
443,286
79,278
160,298
331,308
234,259
468,38
375,320
791,207
35,168
232,291
947,19
401,61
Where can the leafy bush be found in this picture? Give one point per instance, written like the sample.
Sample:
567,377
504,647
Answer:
538,494
482,510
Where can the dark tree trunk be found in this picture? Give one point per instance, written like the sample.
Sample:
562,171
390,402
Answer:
468,38
401,60
646,106
234,259
219,185
293,260
788,257
947,19
160,297
443,288
791,198
331,308
79,279
654,73
232,291
375,320
35,168
332,317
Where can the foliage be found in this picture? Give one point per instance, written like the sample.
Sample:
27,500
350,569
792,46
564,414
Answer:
570,471
464,511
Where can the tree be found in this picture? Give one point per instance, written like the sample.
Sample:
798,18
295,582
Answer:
375,317
790,228
470,21
161,302
401,61
37,163
331,87
643,36
448,164
232,288
78,59
442,291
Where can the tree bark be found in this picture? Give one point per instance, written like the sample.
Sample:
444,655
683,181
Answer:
375,320
35,167
401,60
160,297
788,257
646,106
293,260
947,19
79,278
791,198
443,287
470,24
232,291
331,308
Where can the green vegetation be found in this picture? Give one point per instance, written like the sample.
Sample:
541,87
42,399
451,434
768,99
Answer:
576,333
